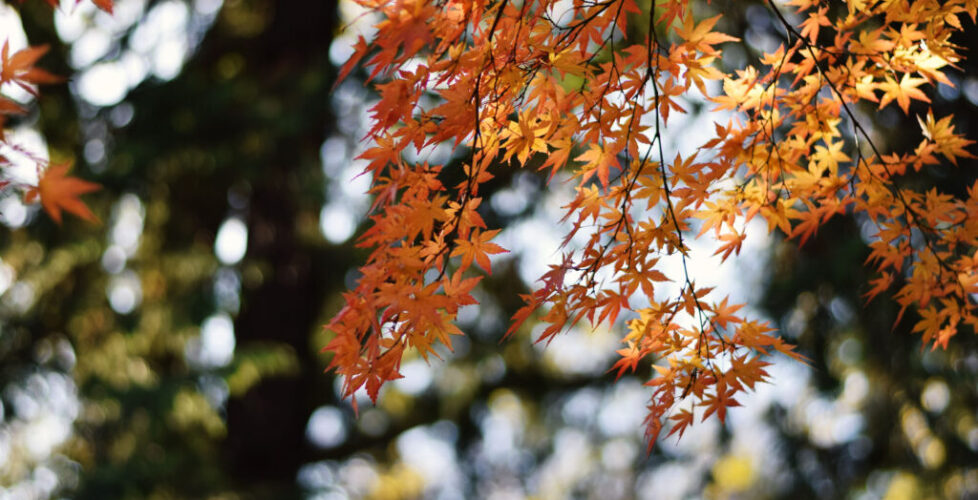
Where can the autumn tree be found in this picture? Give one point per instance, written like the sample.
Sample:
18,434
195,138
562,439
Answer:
585,91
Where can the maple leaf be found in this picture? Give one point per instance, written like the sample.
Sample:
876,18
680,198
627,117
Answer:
523,137
598,159
720,401
941,132
522,314
828,157
630,356
558,158
19,67
749,372
461,288
478,248
810,26
880,284
59,192
733,243
871,42
724,313
360,49
902,92
681,421
701,36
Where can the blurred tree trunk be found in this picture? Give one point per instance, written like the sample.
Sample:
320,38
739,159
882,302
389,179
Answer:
266,427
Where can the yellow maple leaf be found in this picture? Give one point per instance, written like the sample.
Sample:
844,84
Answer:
902,92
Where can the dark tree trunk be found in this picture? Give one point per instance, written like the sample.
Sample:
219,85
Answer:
266,427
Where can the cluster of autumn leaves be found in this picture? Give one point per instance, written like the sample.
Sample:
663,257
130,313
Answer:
563,87
566,87
56,190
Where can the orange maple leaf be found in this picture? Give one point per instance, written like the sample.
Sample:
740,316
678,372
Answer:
478,248
630,356
682,421
59,192
600,160
902,92
19,67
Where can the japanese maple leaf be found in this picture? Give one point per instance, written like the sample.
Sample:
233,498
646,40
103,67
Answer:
19,67
701,36
902,92
682,421
630,356
598,159
59,192
478,248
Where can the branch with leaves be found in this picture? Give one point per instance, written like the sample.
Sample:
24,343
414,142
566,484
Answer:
571,89
54,189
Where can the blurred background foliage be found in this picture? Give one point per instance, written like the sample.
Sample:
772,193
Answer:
173,351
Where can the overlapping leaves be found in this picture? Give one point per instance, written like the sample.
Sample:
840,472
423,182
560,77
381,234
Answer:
503,77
